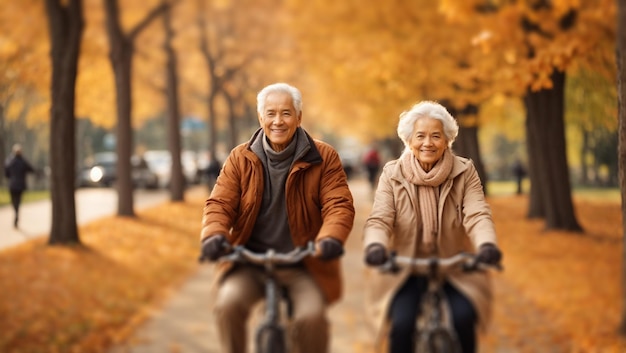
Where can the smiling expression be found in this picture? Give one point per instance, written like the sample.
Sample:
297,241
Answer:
428,142
279,120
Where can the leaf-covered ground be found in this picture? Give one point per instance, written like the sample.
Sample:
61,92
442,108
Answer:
573,279
58,299
560,289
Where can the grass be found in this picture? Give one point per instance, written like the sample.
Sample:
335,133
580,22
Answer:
27,196
495,188
507,188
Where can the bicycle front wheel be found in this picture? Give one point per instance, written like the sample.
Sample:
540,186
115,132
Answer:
438,340
271,339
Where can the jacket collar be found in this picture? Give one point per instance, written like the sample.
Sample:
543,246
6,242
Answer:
312,156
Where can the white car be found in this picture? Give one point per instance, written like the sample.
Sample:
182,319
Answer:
160,162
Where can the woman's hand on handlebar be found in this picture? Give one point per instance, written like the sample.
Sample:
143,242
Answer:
376,254
489,254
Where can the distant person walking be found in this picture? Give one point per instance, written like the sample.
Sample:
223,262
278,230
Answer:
371,161
213,170
16,170
519,172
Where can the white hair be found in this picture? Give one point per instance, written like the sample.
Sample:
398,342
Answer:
428,109
295,94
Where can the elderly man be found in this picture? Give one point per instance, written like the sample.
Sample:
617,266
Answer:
279,191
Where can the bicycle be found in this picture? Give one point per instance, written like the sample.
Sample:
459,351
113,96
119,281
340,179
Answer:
432,335
270,334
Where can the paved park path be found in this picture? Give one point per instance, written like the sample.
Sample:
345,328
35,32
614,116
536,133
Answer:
91,203
184,324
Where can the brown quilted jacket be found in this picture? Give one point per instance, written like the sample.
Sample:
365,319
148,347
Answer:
319,205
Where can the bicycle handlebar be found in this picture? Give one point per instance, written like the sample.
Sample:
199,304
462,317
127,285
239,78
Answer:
428,266
270,257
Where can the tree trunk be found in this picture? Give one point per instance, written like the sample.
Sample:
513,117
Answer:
65,27
3,152
548,168
584,151
121,55
232,120
177,181
214,81
620,53
536,207
122,67
467,144
211,125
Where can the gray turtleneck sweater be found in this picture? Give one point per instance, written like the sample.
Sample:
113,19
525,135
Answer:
271,229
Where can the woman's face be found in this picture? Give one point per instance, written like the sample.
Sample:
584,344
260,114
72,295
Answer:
279,120
428,142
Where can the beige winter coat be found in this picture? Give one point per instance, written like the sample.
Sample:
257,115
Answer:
464,224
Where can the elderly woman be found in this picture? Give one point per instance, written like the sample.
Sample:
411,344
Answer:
429,202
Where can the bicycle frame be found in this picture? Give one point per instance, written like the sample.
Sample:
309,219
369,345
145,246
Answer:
432,335
270,334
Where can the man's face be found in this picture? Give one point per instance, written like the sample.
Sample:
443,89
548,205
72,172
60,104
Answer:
279,120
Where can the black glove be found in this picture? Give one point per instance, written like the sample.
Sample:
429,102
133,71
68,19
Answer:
329,249
213,247
375,254
489,253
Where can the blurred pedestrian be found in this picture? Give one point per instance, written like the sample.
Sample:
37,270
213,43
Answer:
371,161
519,172
16,170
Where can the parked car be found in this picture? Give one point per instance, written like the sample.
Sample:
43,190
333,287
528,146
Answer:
101,171
160,162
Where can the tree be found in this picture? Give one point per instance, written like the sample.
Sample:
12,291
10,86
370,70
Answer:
545,133
620,54
221,28
467,144
177,182
538,42
121,56
65,21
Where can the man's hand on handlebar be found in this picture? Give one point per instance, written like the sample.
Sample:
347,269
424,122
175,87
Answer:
213,247
329,249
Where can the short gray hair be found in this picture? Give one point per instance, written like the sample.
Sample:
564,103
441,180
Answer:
428,109
296,96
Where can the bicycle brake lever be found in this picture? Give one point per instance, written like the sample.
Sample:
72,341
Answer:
481,266
390,265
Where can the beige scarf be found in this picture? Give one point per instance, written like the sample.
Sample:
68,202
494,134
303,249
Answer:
427,192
